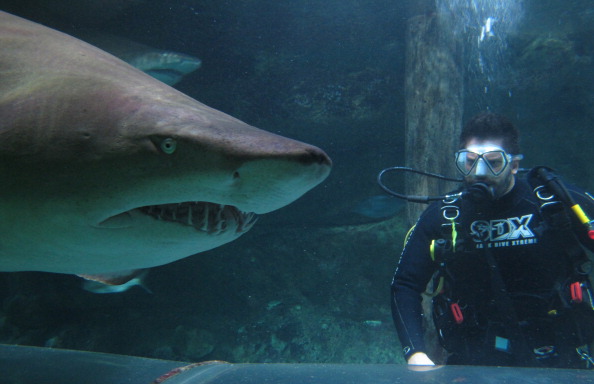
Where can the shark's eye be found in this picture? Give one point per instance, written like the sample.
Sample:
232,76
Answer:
168,145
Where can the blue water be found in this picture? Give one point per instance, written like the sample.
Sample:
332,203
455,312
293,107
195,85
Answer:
379,207
310,283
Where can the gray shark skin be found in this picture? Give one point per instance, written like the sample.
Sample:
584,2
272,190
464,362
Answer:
167,66
105,168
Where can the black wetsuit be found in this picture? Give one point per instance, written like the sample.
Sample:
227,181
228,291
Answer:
531,259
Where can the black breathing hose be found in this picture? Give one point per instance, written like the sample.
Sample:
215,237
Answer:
413,198
476,191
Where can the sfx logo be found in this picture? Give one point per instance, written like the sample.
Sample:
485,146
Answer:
514,228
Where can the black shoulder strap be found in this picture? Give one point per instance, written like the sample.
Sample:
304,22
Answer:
549,189
555,204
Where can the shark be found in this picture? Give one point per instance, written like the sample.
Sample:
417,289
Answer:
168,66
106,169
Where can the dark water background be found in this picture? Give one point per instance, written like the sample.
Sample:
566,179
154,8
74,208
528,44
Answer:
310,283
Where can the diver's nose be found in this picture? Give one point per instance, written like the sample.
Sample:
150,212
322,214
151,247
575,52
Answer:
481,168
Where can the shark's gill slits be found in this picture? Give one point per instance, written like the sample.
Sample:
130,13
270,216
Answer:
206,217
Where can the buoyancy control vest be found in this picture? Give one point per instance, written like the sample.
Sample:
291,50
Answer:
571,295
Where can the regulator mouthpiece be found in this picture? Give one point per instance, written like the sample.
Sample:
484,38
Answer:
480,193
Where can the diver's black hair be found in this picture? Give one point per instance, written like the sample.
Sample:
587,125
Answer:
487,125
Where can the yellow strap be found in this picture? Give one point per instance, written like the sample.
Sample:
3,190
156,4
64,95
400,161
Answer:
454,235
440,283
580,214
437,290
408,234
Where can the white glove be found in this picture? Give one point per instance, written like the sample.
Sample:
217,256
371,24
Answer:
420,358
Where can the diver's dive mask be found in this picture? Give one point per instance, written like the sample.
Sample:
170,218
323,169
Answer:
483,160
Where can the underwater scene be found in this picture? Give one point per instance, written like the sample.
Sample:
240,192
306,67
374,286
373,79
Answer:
309,281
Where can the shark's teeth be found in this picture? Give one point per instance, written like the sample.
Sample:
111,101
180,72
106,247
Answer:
206,217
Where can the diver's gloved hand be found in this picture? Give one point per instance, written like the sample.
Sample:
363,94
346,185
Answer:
420,358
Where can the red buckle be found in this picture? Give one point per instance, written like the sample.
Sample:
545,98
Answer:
457,312
576,292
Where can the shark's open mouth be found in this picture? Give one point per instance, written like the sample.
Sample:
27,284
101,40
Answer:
205,217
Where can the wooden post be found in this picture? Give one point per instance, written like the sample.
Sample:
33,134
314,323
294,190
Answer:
434,107
434,100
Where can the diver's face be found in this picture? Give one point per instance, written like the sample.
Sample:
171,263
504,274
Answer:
488,168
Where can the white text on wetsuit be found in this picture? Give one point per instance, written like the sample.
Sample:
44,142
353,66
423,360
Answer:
503,232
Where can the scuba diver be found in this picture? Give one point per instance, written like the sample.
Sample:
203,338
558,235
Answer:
507,260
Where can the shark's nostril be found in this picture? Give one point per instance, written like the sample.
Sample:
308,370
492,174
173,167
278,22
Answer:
236,175
322,158
315,156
